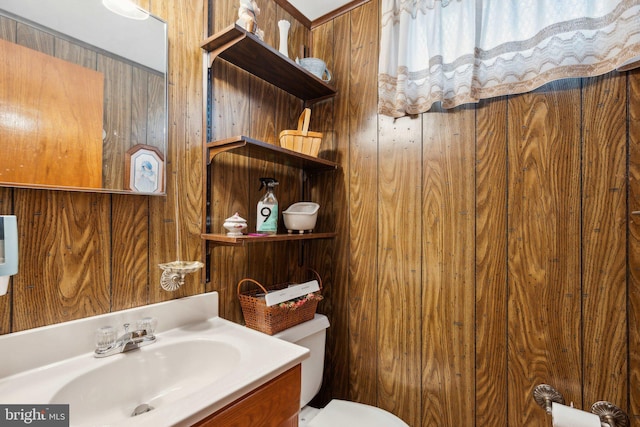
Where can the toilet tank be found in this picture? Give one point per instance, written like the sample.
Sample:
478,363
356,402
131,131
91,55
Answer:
311,335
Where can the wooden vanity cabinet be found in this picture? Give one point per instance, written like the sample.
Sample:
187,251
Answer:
274,404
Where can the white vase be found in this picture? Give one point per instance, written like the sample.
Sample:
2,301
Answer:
284,37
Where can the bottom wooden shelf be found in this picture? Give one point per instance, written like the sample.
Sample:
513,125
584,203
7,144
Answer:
223,239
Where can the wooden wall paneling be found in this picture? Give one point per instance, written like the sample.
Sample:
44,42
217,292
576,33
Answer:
184,168
189,130
322,113
341,10
604,243
6,201
139,107
491,267
400,267
224,13
363,178
147,111
332,41
228,264
633,268
155,122
544,248
6,208
327,189
74,53
129,251
65,247
117,118
35,39
230,115
8,29
285,5
448,298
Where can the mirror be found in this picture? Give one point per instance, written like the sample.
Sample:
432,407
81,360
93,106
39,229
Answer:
83,97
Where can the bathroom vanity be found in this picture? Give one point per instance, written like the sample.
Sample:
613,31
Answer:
200,370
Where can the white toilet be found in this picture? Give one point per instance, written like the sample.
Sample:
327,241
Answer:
338,413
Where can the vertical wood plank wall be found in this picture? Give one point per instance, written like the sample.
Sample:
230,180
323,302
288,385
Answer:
488,248
481,250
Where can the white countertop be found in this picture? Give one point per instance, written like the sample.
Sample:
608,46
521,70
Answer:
39,362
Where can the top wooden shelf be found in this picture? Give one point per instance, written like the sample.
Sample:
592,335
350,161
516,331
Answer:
245,50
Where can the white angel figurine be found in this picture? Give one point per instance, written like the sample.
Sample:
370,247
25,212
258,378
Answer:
247,14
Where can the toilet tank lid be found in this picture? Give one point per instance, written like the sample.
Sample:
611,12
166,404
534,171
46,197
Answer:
294,334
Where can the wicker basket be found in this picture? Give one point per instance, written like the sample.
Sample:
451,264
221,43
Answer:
302,140
275,318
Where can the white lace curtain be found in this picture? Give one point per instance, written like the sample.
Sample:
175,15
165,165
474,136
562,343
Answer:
461,51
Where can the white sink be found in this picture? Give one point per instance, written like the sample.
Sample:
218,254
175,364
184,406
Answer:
197,365
153,376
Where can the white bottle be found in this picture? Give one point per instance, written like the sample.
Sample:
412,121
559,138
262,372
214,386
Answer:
267,212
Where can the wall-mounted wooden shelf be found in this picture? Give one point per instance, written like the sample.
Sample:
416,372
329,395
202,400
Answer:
249,147
245,50
223,239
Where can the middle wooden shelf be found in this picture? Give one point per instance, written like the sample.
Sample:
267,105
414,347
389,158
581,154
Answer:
249,147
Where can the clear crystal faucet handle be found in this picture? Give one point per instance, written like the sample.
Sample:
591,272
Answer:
105,337
148,324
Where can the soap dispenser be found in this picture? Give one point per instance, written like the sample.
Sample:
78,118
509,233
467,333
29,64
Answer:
8,250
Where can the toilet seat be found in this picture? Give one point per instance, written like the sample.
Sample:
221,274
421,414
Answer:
342,413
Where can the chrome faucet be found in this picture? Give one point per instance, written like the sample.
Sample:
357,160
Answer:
107,344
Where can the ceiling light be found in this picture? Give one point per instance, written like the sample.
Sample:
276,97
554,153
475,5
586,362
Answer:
126,8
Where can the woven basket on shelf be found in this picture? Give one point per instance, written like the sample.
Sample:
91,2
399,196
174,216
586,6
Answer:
275,318
302,140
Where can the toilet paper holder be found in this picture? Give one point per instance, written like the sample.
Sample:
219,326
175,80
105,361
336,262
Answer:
610,415
545,395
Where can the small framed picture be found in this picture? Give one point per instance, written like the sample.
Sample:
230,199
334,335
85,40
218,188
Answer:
144,169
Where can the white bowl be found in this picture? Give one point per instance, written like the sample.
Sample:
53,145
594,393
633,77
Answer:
301,217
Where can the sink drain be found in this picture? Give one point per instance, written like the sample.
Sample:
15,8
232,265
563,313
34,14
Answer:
141,409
